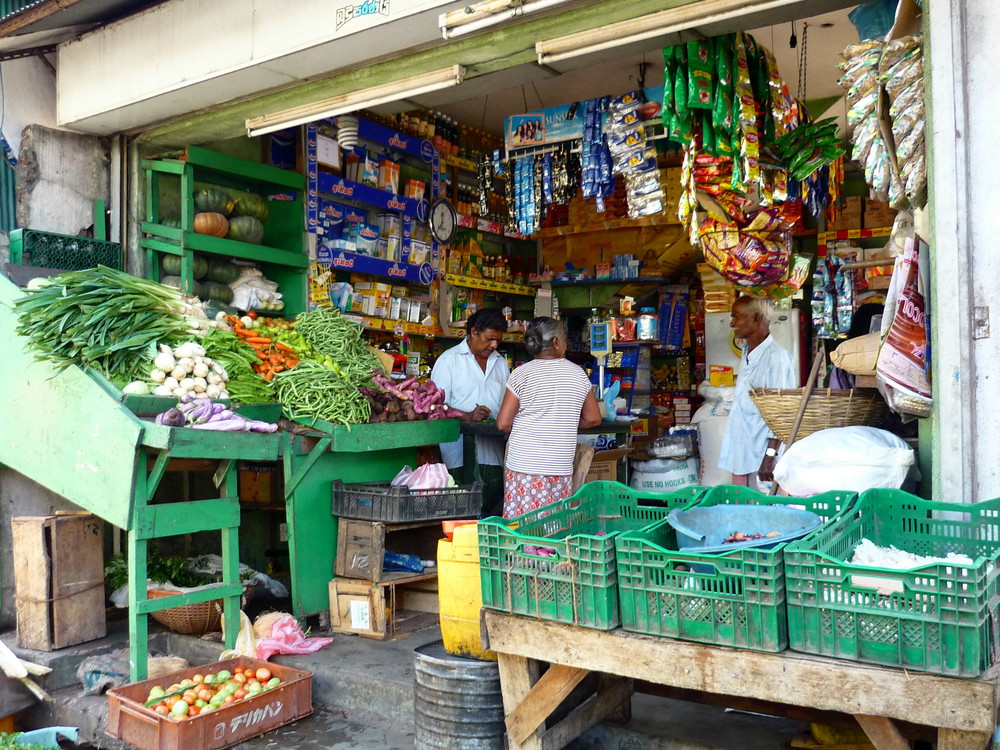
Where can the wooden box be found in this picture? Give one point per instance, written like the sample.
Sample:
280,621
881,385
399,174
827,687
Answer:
361,546
383,610
58,580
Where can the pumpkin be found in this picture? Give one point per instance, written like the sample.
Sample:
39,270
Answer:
223,271
213,224
246,229
171,221
212,200
218,292
251,205
172,266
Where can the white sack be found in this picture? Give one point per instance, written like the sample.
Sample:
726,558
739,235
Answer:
664,474
844,458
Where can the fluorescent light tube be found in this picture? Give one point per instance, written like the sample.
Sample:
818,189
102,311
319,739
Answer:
355,100
479,16
652,26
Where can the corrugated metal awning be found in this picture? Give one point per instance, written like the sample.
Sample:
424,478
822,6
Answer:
18,17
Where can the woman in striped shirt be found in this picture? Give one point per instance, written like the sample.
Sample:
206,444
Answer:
547,400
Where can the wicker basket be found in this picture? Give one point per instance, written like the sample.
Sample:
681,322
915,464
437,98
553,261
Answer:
193,619
830,407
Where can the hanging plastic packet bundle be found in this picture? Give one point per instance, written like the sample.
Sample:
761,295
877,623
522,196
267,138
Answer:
822,317
700,53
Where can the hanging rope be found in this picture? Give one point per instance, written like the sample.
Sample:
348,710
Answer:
803,63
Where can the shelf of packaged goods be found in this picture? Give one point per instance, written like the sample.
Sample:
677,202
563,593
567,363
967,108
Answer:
485,225
510,338
824,238
386,324
397,271
468,165
606,224
488,285
620,282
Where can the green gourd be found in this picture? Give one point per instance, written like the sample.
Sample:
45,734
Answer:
212,200
246,229
251,205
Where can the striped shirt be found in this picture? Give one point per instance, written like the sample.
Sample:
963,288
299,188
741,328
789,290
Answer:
543,438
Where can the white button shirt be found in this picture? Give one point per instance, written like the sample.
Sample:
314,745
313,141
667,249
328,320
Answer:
745,440
466,386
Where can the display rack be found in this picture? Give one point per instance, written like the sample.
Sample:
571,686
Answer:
281,254
823,239
489,285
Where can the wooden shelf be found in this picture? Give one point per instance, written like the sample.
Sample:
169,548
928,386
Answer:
618,282
489,285
388,325
602,226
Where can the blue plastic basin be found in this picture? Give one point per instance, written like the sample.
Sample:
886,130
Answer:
705,529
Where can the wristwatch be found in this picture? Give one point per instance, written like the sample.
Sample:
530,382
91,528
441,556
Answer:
771,452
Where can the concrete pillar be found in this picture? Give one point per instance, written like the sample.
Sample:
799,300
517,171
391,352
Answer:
59,176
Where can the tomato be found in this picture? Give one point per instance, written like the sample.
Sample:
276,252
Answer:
229,699
263,674
172,701
240,694
173,688
198,678
249,673
205,694
252,683
193,711
187,683
162,709
240,677
189,696
180,708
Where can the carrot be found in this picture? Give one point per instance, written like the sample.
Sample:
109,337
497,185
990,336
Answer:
277,368
261,355
283,347
269,375
257,340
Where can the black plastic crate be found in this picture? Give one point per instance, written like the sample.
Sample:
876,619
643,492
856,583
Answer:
381,501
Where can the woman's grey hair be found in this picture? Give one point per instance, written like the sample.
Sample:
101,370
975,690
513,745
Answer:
758,305
539,334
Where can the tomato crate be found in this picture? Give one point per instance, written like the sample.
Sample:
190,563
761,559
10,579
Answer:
558,562
940,617
727,598
130,721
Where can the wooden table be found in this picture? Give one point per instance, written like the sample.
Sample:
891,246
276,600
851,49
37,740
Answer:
964,711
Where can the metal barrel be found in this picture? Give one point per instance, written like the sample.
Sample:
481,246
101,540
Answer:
457,701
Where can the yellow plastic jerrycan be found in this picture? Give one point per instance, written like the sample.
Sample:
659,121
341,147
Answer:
460,593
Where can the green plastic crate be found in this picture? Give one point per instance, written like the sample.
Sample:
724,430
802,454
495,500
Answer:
727,598
938,618
579,585
31,247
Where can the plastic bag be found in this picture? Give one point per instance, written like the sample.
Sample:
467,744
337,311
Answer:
852,459
246,641
287,638
429,477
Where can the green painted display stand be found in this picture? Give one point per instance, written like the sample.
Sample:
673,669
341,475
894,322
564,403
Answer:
360,453
69,432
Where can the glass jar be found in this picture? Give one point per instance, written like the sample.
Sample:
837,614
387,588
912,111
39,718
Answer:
625,327
648,328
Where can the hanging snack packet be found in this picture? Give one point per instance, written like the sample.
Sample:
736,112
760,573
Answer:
699,57
749,135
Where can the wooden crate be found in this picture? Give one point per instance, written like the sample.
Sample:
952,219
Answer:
361,546
382,610
58,580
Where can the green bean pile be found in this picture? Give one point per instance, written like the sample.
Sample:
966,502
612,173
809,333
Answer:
245,386
333,336
311,391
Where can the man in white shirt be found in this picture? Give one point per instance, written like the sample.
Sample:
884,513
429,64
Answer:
474,378
749,448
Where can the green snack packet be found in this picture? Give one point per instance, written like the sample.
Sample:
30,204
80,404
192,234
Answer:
669,66
699,60
681,101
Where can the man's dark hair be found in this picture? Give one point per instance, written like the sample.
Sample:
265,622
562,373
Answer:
485,320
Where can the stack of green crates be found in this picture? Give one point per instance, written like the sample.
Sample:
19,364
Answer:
558,562
936,618
727,598
31,247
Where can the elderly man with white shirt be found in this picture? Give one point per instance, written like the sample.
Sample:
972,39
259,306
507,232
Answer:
474,377
749,448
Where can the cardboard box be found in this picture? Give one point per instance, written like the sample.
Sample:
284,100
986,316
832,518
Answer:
261,483
853,204
604,465
846,221
58,580
878,215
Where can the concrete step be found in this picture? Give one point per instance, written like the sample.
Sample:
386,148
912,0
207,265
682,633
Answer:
359,683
